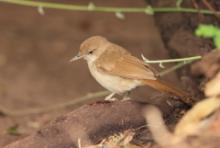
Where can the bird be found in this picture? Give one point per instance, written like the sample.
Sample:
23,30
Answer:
114,68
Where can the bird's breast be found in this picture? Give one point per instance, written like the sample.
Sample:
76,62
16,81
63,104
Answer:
113,83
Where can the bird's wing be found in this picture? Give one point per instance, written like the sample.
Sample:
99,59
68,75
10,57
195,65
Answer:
117,61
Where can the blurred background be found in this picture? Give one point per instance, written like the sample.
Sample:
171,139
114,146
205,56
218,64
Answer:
35,50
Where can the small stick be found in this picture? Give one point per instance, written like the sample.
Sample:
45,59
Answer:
184,61
209,6
74,102
170,60
173,68
94,8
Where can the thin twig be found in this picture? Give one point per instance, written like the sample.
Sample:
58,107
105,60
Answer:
71,103
184,61
170,60
209,6
195,5
173,68
147,10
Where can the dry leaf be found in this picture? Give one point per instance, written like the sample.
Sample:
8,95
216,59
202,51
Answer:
198,118
212,88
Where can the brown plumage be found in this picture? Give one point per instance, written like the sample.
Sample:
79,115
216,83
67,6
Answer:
117,61
117,70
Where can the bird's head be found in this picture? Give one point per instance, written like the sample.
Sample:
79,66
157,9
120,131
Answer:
91,48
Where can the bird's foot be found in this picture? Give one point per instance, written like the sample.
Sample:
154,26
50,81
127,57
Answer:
126,98
110,97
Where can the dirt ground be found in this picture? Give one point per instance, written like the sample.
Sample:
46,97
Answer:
35,50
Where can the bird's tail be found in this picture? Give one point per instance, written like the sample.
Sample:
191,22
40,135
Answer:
167,88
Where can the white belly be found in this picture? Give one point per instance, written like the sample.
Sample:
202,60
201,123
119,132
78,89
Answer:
113,83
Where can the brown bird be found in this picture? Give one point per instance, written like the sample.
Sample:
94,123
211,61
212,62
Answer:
117,70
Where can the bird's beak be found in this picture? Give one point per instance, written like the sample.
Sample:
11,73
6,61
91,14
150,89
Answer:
77,57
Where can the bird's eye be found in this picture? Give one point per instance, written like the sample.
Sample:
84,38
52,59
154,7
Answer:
90,52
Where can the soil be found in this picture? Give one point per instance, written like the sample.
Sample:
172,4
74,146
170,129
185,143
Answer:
35,70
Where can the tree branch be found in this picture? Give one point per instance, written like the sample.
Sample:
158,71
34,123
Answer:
93,8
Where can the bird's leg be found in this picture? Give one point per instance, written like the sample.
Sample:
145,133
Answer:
126,96
110,97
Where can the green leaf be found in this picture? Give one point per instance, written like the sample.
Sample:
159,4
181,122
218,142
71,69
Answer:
206,31
217,42
209,31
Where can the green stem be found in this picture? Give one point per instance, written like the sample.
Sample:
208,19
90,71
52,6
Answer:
74,102
105,9
173,68
171,60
